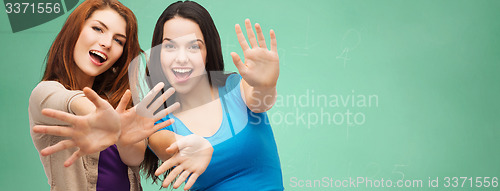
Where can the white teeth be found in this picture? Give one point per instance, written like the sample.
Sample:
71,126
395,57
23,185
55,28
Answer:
181,70
103,56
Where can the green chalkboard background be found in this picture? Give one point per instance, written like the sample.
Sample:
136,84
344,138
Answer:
392,90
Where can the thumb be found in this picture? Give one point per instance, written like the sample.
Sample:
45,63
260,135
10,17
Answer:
238,63
173,148
94,98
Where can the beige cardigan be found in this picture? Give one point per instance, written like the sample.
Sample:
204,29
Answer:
82,175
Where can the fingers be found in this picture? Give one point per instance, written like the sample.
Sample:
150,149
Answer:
238,63
241,38
166,165
166,111
160,100
94,98
250,34
54,130
260,36
162,125
181,179
151,95
77,154
124,101
274,44
171,176
62,116
62,145
191,181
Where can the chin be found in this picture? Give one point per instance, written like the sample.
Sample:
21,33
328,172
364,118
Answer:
182,89
94,73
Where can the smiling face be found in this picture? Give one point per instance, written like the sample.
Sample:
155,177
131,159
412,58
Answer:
100,43
183,54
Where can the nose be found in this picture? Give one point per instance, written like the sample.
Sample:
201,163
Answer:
181,57
105,41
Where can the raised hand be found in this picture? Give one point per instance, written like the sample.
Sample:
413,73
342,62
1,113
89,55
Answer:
191,156
261,66
138,121
91,133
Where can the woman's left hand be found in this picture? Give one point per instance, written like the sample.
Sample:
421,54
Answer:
261,66
191,156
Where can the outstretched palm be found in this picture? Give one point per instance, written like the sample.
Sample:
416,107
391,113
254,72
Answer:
261,66
138,122
191,156
90,133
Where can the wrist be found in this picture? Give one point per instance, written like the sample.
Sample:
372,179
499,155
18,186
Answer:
122,143
264,87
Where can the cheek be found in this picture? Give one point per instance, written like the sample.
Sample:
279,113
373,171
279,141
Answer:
80,51
117,53
198,60
166,58
114,55
79,45
86,38
166,61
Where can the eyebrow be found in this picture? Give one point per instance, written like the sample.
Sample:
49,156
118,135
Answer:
105,26
168,39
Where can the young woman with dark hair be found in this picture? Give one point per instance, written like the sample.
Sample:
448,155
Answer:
227,110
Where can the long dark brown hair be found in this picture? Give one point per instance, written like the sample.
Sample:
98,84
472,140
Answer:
60,64
214,60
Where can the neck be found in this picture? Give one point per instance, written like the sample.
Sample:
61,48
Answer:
201,94
85,83
84,80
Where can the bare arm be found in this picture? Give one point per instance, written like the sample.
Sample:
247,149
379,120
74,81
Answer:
132,155
258,99
160,141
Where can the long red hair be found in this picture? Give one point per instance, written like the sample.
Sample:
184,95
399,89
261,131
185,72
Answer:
60,64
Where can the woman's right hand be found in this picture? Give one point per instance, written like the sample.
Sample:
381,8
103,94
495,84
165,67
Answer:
138,122
91,133
191,156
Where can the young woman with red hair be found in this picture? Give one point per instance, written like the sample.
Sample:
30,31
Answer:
72,110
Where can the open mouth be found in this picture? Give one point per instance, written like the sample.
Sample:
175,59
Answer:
98,57
182,74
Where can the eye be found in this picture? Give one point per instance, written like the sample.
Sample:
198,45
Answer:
97,29
119,41
169,46
194,47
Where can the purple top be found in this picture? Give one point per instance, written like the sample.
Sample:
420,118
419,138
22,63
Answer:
112,172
